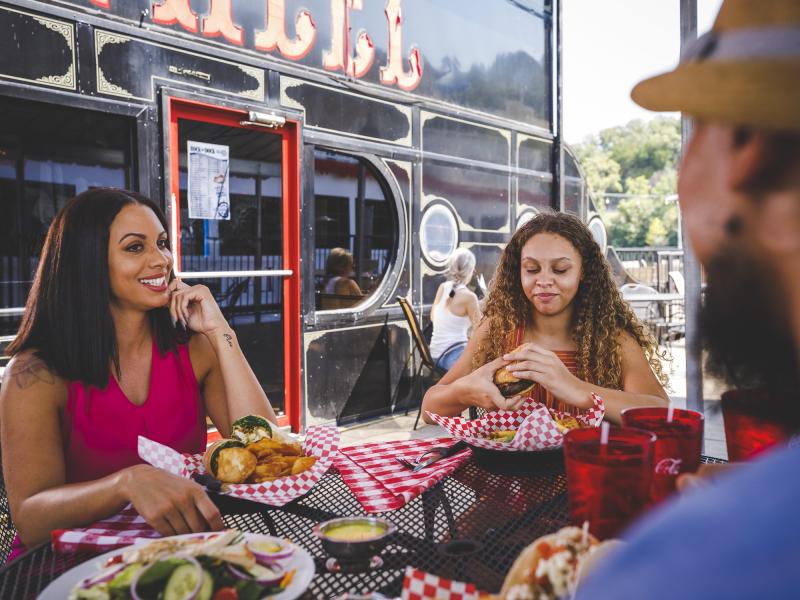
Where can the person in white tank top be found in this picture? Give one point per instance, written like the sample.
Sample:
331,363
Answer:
455,309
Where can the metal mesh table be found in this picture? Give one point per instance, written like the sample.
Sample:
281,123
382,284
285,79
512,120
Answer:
470,527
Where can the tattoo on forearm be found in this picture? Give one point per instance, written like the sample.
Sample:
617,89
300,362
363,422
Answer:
228,338
29,370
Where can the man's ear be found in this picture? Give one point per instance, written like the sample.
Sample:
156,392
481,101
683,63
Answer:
750,157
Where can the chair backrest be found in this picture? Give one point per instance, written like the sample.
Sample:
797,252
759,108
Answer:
645,310
676,277
619,268
632,289
416,332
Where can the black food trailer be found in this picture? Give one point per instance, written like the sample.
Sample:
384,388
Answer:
274,131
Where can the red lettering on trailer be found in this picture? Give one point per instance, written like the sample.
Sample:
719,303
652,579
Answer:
393,72
175,11
339,57
354,60
274,36
219,21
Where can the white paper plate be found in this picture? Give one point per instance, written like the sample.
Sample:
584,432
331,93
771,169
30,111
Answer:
61,587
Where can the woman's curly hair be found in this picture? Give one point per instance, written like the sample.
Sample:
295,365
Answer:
599,312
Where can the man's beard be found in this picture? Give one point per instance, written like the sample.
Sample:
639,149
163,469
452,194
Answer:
744,326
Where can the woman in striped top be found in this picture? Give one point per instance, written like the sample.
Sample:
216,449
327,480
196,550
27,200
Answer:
553,293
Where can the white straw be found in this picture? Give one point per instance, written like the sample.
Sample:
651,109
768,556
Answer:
670,412
604,427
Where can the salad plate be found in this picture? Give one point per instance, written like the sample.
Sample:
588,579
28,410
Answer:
166,572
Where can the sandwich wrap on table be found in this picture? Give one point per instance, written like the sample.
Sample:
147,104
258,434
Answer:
284,469
552,567
256,452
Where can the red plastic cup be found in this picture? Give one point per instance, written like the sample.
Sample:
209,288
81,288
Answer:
678,444
608,484
746,431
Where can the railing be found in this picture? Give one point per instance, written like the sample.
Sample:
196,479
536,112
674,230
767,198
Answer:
229,291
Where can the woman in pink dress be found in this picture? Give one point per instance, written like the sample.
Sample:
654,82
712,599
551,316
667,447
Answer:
113,346
554,310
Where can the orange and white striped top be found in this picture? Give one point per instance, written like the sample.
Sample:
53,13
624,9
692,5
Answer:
540,394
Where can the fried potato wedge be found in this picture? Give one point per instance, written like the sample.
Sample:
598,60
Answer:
304,463
268,470
235,465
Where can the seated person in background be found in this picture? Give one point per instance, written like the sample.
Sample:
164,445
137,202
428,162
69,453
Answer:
113,346
341,291
553,294
455,309
739,183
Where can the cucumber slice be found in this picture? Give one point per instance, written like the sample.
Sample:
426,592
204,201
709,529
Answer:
183,582
160,570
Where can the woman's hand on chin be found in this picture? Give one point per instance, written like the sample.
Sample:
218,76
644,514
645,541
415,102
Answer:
170,504
546,368
195,307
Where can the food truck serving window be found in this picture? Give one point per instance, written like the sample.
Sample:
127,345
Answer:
355,230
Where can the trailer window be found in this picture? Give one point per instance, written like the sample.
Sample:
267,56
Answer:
355,229
438,234
48,154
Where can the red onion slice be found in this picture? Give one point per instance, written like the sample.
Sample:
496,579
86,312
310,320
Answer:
136,579
102,577
262,575
265,555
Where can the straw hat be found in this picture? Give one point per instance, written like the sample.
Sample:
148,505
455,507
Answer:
745,71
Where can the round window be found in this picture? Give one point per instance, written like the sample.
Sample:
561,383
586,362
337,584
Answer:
599,234
438,234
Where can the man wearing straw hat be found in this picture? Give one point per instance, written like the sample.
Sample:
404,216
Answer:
739,187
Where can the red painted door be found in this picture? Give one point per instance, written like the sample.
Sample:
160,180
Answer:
234,209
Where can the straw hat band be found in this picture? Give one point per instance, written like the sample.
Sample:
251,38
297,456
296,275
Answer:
744,72
745,44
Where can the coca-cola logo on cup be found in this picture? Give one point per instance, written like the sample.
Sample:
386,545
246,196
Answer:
669,466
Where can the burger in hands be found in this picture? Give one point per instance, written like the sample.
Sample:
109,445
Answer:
508,384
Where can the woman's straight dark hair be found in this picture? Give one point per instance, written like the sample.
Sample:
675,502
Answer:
67,319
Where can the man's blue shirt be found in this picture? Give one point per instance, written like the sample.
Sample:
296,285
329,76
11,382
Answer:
738,538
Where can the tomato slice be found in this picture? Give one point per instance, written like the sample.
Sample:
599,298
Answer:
226,593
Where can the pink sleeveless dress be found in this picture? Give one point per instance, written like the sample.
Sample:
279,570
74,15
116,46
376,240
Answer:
100,428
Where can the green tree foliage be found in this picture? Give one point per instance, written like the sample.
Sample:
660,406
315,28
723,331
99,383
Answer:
602,172
640,158
643,147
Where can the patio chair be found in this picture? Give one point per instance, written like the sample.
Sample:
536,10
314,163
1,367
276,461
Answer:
647,311
676,325
421,382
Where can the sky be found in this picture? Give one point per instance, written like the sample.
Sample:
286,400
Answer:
608,47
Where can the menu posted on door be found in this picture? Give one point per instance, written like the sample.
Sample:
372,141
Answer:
209,165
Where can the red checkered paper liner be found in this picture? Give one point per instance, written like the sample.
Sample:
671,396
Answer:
533,423
123,529
321,441
419,585
380,483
